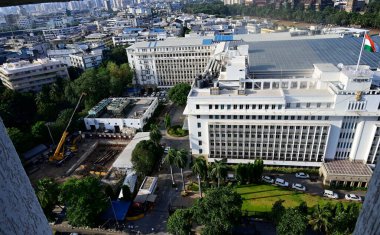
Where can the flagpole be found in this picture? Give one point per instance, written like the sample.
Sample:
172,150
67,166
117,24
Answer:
360,55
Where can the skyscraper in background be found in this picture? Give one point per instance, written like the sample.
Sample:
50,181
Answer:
107,5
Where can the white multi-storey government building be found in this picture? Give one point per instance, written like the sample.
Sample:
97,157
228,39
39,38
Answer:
299,117
167,63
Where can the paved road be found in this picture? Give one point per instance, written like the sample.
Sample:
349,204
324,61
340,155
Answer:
155,220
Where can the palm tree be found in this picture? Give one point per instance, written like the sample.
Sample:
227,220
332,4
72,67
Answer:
180,161
320,219
200,167
219,169
155,134
169,159
167,120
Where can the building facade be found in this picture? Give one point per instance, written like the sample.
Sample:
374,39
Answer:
120,114
86,60
50,34
169,62
333,114
24,76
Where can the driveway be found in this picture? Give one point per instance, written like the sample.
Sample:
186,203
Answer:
315,188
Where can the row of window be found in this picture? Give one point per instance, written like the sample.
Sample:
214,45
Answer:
265,145
265,136
267,117
272,127
267,156
266,106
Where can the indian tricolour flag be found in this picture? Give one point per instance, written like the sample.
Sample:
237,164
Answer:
370,45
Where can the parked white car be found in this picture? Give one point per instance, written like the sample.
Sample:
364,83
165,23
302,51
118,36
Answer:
267,179
299,187
302,175
281,182
330,194
353,197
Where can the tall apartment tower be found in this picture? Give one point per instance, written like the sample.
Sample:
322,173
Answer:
20,211
107,5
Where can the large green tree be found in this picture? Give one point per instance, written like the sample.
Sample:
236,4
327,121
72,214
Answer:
277,211
47,192
292,222
145,156
118,55
21,140
155,134
219,210
85,200
179,223
178,94
17,109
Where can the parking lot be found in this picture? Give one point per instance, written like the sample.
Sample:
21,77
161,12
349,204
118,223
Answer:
314,187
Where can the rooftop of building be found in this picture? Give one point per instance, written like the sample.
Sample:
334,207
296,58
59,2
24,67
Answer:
24,64
282,52
133,108
300,54
345,167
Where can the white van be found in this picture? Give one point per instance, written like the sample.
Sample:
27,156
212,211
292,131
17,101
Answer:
330,194
281,182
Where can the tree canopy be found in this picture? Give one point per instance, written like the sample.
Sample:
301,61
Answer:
179,223
84,199
219,211
178,93
145,156
47,191
292,222
328,15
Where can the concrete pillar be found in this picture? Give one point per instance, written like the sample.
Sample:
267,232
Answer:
20,211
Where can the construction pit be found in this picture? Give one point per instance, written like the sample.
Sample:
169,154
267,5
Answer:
100,160
94,157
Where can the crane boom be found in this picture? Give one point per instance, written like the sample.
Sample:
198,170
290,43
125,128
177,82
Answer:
58,154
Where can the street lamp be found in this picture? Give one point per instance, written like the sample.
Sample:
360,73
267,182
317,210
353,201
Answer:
47,125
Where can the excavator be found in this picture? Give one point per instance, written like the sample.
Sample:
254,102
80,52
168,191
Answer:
59,153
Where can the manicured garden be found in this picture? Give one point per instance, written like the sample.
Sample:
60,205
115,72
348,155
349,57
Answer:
177,131
260,198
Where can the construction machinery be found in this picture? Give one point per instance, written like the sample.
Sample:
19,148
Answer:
59,153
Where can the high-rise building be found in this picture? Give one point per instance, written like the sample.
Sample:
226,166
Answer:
107,5
20,211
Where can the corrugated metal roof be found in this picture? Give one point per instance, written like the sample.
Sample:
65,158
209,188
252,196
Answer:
302,54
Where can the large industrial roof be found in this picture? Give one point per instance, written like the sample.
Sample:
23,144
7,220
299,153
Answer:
285,55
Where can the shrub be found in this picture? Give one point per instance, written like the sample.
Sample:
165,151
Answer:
177,131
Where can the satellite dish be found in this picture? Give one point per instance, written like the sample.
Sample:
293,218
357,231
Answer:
340,66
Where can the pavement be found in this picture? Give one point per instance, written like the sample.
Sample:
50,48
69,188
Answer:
155,220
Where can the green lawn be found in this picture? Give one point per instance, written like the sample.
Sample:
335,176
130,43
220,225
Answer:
261,198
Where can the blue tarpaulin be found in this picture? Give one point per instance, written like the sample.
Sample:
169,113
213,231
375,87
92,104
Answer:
221,38
207,41
121,209
39,149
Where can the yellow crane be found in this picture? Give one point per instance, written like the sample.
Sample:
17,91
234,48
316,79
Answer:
60,151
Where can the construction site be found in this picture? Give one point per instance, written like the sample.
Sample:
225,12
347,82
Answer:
81,154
